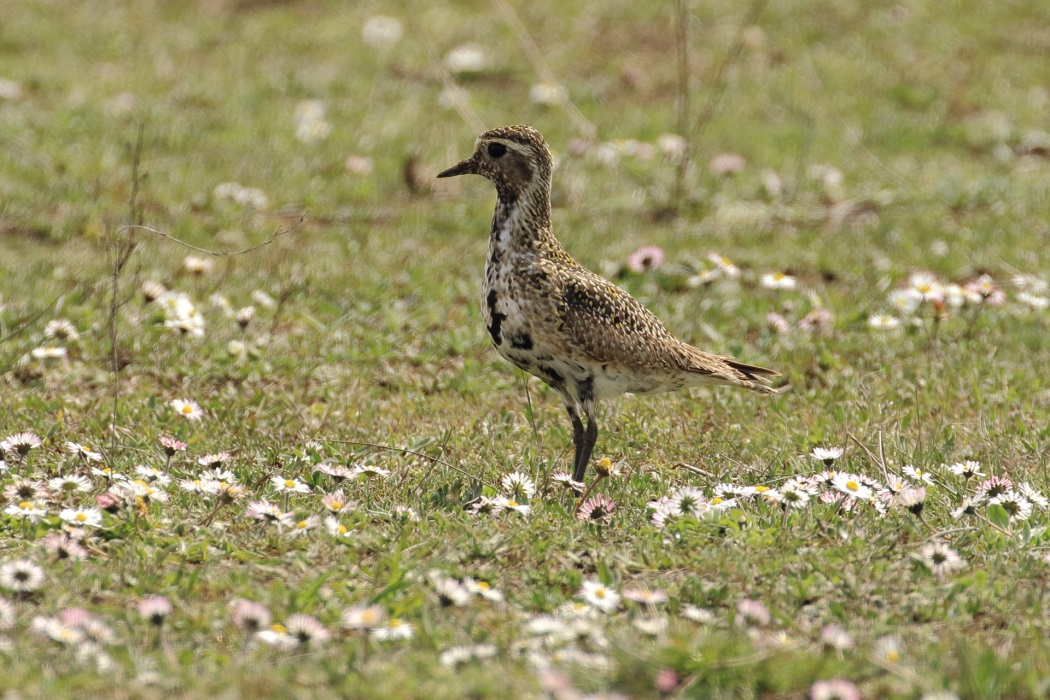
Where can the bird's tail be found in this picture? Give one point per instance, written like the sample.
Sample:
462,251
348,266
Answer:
754,378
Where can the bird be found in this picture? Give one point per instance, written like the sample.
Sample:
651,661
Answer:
549,315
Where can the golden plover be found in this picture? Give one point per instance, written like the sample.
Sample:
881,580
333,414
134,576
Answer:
549,315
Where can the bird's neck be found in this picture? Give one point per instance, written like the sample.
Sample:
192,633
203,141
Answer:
521,221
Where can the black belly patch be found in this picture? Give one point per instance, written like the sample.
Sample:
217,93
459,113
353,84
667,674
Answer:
496,318
521,342
551,376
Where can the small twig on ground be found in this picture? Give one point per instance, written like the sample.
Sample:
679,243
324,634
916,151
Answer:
407,451
455,95
119,251
535,56
218,253
877,461
718,84
682,117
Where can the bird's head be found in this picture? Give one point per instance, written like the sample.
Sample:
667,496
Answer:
515,158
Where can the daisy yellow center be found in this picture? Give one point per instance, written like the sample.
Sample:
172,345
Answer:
852,486
761,489
341,529
187,409
369,617
715,501
605,463
278,627
337,505
599,594
893,655
484,585
25,505
80,518
289,484
512,503
396,623
141,482
302,524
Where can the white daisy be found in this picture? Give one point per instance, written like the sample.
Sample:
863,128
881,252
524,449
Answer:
187,409
284,484
21,576
969,505
687,501
777,280
926,286
483,589
61,329
967,470
82,517
393,630
277,637
827,455
303,527
450,592
364,617
64,486
940,559
1028,491
78,450
702,616
369,471
335,528
883,322
905,301
153,475
518,485
600,596
887,649
917,474
1016,505
796,492
32,511
511,504
852,485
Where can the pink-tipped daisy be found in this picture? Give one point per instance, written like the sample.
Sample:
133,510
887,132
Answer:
306,630
646,258
20,443
171,446
250,616
155,609
597,509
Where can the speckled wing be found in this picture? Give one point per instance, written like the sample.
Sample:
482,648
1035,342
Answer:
610,326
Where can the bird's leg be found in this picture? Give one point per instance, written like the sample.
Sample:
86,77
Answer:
577,436
586,445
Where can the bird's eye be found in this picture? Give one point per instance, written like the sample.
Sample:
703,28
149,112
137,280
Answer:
497,149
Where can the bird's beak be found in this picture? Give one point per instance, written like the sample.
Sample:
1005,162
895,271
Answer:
465,167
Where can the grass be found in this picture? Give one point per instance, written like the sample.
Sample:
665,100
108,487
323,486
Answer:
373,351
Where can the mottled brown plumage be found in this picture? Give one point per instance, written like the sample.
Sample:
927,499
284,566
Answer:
554,318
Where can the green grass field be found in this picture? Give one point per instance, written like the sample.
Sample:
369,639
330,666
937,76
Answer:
877,173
